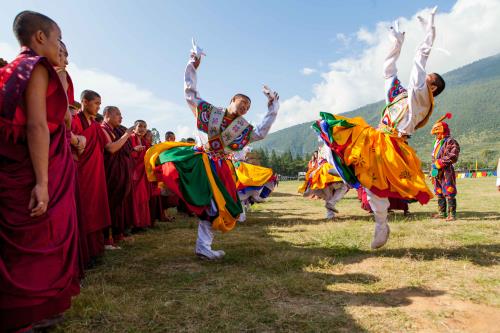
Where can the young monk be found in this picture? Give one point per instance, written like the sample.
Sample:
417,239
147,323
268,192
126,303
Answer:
38,224
204,177
91,176
380,159
118,167
140,186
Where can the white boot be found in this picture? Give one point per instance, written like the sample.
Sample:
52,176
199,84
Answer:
330,214
204,242
381,235
379,207
242,218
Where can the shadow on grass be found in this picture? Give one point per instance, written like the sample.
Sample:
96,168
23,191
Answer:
277,194
468,215
478,254
263,280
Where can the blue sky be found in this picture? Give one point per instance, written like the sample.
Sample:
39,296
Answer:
248,43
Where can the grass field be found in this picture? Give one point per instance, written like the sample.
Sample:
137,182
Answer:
288,270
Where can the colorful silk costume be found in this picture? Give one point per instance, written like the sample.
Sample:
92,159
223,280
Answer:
202,176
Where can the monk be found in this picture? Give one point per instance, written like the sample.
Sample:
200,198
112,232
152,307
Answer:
78,143
141,189
91,176
118,165
38,223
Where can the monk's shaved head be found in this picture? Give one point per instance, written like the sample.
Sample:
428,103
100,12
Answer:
110,110
89,95
27,23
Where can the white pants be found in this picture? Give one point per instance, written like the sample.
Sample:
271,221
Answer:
205,237
379,206
332,194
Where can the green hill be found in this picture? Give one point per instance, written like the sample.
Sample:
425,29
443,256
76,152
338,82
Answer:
472,95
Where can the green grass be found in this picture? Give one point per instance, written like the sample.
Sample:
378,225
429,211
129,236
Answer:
287,269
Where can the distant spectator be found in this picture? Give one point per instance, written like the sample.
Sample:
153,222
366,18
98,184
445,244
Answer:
169,136
99,118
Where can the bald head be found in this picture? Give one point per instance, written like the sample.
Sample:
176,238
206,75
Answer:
27,23
112,116
110,110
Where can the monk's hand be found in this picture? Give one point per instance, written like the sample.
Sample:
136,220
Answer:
82,142
39,200
139,148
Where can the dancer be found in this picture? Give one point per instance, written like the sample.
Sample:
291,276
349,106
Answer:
380,159
321,182
202,176
255,183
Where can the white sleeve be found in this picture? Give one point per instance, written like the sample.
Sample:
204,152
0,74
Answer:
190,92
397,38
418,73
261,130
390,68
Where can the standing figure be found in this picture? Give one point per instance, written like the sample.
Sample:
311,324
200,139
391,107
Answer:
118,167
39,270
444,155
93,192
141,189
203,177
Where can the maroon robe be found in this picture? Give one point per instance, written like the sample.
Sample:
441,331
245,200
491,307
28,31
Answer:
38,255
140,186
92,184
118,167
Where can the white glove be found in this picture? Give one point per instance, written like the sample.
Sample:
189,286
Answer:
395,34
428,24
271,95
196,51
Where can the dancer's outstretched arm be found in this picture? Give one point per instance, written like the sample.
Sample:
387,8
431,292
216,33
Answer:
418,73
190,79
273,105
392,85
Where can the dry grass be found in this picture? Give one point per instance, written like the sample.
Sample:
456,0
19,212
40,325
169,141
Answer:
287,269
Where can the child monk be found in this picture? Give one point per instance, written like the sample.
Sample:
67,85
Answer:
141,188
91,176
38,223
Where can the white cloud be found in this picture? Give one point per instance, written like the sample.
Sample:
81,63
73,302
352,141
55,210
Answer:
467,33
135,102
308,71
343,38
364,35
